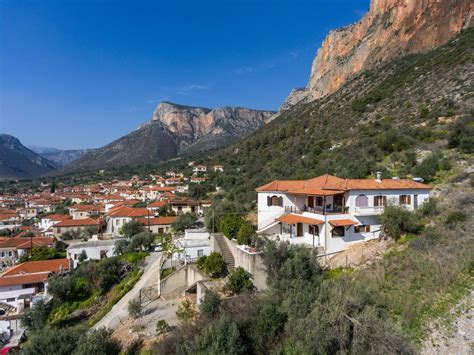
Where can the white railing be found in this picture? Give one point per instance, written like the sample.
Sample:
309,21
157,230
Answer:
369,210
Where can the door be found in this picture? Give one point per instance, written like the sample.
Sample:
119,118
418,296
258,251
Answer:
299,230
311,201
337,201
415,202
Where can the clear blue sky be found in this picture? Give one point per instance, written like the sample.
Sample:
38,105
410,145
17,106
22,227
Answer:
79,74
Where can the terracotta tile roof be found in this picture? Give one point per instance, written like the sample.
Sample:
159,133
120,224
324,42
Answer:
87,208
24,279
295,218
329,183
342,222
77,223
158,203
157,221
25,243
32,267
57,217
125,211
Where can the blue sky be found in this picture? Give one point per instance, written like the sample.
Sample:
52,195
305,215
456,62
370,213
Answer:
79,74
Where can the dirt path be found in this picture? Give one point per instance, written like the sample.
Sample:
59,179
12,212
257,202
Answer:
119,312
360,254
455,333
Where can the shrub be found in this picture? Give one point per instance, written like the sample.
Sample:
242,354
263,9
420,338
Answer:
239,281
98,341
134,308
210,305
141,241
35,318
186,311
214,264
162,327
429,208
50,340
230,225
82,256
201,261
131,228
455,217
398,220
184,221
245,233
109,272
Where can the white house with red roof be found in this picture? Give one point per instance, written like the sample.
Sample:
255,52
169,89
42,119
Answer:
331,212
22,283
118,216
50,220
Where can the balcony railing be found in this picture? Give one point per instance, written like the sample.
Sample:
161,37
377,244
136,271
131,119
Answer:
318,209
369,210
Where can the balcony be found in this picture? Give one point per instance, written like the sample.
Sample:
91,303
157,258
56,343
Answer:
368,210
317,210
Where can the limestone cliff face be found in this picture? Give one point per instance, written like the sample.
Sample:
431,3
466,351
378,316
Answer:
174,130
391,28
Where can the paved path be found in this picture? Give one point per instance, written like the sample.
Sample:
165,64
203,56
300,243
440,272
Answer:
119,311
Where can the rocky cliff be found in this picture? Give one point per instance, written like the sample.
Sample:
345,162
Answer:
174,130
391,28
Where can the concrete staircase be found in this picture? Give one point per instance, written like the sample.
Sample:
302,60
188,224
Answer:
224,250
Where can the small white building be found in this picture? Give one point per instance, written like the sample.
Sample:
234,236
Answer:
94,250
196,243
199,169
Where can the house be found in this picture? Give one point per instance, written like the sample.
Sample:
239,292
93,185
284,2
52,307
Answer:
94,250
22,283
156,205
330,212
199,169
50,220
198,180
76,225
120,215
12,249
86,211
158,225
196,243
187,205
172,181
218,168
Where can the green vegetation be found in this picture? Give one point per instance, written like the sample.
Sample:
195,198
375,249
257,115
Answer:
398,220
131,228
186,311
134,308
185,221
213,265
210,305
239,281
44,253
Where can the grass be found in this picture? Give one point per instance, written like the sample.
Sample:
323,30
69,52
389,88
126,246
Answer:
115,294
167,272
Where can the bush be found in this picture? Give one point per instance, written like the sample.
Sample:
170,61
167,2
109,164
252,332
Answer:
455,217
186,311
239,281
131,228
162,327
98,341
82,256
210,305
134,308
109,272
184,221
35,317
245,233
141,241
398,220
214,264
230,225
52,341
429,208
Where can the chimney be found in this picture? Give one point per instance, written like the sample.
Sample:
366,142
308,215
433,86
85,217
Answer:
379,176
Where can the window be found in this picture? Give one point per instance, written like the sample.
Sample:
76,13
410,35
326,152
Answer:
363,228
200,252
319,201
404,200
338,231
362,201
275,201
11,299
380,201
313,230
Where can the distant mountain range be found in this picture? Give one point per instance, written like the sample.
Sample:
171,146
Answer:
173,130
19,162
59,156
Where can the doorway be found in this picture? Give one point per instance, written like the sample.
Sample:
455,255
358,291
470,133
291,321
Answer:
299,230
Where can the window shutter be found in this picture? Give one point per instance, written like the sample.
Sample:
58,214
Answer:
408,199
269,201
385,200
280,201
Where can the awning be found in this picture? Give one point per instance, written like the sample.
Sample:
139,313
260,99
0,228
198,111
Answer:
294,218
342,222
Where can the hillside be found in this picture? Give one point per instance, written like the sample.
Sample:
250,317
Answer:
390,29
19,162
389,119
173,130
59,156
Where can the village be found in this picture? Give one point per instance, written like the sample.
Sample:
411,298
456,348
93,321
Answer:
49,233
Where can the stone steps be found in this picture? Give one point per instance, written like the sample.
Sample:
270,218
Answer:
226,253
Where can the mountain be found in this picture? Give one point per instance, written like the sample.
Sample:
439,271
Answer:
412,116
59,156
18,162
390,29
174,130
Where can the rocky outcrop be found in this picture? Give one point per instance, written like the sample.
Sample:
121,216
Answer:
19,162
391,28
58,156
174,130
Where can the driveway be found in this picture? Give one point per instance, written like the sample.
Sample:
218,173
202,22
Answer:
149,278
